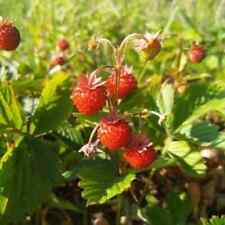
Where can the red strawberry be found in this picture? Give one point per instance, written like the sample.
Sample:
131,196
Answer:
9,36
197,53
114,132
127,83
63,44
89,96
57,60
140,153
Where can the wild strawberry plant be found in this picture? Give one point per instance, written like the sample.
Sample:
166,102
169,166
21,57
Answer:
143,147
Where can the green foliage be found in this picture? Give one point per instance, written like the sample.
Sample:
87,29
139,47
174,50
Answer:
203,132
197,94
27,174
188,157
176,213
177,123
213,105
54,105
103,182
61,203
70,133
10,110
166,99
215,220
219,142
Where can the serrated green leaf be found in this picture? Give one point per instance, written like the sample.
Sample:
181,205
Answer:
219,141
203,132
190,159
27,175
212,105
73,134
166,99
3,204
179,207
61,203
24,86
215,220
157,216
102,183
197,94
55,104
161,162
10,110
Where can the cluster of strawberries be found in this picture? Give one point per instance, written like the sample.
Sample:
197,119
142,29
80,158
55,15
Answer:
59,59
91,94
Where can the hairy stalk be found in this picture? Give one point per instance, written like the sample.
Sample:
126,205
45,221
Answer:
118,66
117,86
128,39
107,42
143,71
110,105
93,134
107,69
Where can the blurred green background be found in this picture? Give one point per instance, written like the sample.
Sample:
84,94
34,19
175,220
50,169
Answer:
43,22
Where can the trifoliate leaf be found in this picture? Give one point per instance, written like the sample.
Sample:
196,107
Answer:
166,99
27,175
203,132
189,159
100,181
212,105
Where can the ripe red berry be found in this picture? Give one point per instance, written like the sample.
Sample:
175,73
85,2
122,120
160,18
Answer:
127,83
63,44
89,96
9,36
114,132
57,60
140,153
197,53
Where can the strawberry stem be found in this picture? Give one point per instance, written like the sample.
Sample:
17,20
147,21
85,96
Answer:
93,133
131,37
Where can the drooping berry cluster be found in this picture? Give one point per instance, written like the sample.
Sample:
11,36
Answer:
114,132
59,58
91,94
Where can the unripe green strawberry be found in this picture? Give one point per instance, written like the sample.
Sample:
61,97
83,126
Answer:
9,36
